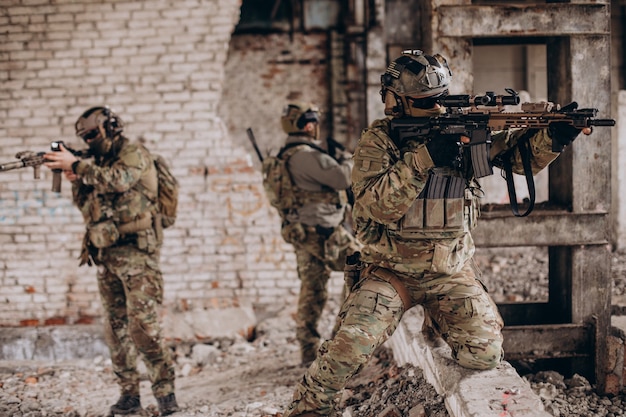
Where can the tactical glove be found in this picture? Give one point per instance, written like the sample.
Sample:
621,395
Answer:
563,133
443,150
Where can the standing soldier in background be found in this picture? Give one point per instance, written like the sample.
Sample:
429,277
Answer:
116,197
418,247
308,187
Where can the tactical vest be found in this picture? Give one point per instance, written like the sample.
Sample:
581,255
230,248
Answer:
434,218
447,207
282,191
132,210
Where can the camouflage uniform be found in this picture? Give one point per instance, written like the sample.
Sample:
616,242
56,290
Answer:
122,241
315,230
409,262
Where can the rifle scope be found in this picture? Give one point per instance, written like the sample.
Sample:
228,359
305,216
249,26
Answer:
464,100
489,99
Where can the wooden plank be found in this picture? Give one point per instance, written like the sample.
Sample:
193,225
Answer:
591,300
542,229
548,341
517,314
556,19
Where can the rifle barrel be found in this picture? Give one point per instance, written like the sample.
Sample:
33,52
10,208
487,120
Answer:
253,140
12,165
601,122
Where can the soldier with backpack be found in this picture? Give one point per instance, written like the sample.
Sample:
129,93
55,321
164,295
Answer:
126,197
308,187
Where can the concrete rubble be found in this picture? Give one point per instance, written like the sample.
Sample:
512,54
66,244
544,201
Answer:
466,393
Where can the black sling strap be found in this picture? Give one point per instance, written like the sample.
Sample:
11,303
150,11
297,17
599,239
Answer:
292,144
523,146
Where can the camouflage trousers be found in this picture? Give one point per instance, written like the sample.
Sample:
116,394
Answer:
131,289
458,305
317,255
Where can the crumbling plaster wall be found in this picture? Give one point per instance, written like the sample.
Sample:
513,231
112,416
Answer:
263,74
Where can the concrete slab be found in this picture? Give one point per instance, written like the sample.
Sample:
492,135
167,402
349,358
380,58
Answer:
54,343
58,343
205,324
499,392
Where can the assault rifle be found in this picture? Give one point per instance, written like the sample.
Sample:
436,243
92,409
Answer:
36,159
475,117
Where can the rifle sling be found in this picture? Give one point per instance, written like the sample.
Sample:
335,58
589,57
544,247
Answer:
523,146
292,144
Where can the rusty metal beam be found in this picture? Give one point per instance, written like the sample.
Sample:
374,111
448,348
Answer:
548,341
542,229
555,19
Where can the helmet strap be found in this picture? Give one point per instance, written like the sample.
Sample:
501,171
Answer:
394,104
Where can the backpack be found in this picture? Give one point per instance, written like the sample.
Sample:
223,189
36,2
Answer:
281,192
279,188
167,199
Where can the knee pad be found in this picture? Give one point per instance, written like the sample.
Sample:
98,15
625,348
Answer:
487,356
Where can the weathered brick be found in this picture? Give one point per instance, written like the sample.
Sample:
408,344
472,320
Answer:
166,71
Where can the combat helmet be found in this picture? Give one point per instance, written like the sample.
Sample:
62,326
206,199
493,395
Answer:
99,127
296,115
414,75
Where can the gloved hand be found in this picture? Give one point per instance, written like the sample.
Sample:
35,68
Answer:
563,133
443,150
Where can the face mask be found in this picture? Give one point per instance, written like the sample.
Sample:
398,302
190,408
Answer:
100,146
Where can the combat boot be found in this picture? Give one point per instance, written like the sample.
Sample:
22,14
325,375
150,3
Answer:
308,353
168,404
127,404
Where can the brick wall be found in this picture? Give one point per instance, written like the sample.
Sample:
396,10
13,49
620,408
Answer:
166,68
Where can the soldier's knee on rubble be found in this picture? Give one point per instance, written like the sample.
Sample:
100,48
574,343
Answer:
486,357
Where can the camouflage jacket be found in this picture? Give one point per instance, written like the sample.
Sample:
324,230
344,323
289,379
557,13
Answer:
387,181
111,188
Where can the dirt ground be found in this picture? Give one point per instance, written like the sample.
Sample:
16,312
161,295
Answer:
241,378
231,377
